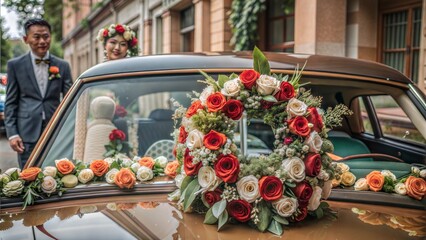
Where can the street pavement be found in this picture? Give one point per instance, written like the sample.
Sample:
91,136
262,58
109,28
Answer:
8,158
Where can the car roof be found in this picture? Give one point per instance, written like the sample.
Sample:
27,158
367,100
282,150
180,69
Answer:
243,60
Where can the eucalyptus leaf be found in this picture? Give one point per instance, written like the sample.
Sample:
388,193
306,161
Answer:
219,207
119,147
190,194
280,219
265,216
223,219
209,218
269,98
109,153
275,228
185,182
319,212
260,63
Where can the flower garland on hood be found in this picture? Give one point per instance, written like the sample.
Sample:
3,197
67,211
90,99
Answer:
264,191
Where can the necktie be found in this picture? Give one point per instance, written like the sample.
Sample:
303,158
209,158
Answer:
38,61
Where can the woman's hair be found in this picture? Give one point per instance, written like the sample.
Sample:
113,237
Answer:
123,30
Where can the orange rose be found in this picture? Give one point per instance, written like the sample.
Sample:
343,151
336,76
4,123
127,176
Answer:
99,167
147,162
65,166
30,174
416,187
171,168
215,102
375,181
125,178
126,206
54,70
193,108
214,140
148,205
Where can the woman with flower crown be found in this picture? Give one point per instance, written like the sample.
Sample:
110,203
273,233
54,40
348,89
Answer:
119,41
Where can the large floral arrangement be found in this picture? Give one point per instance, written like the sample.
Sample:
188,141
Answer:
264,191
34,182
128,34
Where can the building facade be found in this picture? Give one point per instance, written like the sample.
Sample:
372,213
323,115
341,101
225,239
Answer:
387,31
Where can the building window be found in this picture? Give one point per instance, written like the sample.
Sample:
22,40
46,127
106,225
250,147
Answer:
158,35
280,26
187,29
400,41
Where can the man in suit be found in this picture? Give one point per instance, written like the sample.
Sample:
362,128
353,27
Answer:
35,83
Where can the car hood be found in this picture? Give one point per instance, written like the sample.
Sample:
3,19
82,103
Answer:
154,217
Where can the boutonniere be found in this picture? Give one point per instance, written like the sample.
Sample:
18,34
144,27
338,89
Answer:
54,72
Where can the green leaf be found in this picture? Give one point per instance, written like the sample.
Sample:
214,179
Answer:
269,98
280,219
319,212
275,228
185,182
109,153
218,208
233,75
114,164
209,218
222,219
190,194
14,176
119,147
290,184
222,79
260,63
265,216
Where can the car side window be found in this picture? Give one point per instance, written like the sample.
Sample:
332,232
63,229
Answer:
393,121
364,116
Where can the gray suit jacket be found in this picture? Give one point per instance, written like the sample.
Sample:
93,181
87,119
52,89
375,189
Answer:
24,103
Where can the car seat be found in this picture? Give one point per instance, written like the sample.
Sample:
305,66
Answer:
161,148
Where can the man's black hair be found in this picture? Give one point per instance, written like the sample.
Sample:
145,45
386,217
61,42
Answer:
36,21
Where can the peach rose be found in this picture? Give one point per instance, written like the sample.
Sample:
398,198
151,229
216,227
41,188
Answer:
99,167
147,162
54,70
416,187
125,178
148,205
171,168
65,166
375,181
30,174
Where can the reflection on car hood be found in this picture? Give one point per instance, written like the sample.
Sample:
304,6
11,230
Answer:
153,217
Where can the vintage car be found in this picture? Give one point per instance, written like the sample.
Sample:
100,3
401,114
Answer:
385,132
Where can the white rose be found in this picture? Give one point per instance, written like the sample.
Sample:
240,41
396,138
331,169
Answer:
85,175
135,166
161,161
285,206
415,170
348,179
248,188
194,139
109,160
400,188
122,156
423,173
361,185
231,88
326,189
207,178
48,185
88,209
315,199
111,31
188,124
101,35
295,168
144,174
205,94
389,174
110,175
127,162
267,85
111,206
127,35
10,171
343,167
314,141
296,107
50,171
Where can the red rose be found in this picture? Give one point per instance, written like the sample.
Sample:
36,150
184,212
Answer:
303,192
215,102
270,188
182,135
299,126
302,215
248,78
227,167
211,197
233,109
120,111
105,33
265,104
117,134
133,42
312,164
288,140
188,166
193,108
286,92
240,210
315,119
174,152
120,29
214,140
